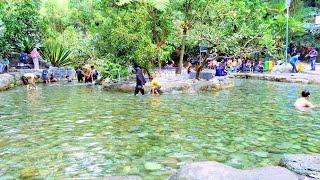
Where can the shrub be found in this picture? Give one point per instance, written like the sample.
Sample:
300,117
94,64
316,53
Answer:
113,70
57,54
26,45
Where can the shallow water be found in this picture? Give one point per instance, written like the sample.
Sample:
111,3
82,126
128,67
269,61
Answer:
79,131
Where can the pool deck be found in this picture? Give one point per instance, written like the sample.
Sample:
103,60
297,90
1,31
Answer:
306,77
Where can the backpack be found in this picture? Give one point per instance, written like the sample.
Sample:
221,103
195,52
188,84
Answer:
23,57
95,75
45,73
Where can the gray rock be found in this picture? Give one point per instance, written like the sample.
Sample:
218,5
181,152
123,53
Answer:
302,78
7,81
218,171
303,164
203,75
59,73
172,85
107,81
122,178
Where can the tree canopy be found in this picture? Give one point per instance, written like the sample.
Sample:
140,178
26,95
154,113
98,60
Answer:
113,34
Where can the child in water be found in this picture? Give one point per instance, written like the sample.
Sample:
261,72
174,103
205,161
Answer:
155,86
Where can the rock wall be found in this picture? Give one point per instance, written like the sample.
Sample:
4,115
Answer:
172,86
59,73
290,78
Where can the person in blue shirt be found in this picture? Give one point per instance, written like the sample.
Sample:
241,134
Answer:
23,57
45,75
293,62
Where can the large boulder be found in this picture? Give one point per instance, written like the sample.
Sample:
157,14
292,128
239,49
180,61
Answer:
170,85
303,164
6,81
218,171
62,72
122,178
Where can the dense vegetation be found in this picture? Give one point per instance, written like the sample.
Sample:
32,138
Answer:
113,34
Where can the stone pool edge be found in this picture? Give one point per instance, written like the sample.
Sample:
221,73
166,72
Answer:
168,87
301,78
9,81
291,167
13,79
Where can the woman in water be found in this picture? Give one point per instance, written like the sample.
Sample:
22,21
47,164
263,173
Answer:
303,103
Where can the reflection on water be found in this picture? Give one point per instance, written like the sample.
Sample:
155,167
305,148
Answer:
33,96
79,131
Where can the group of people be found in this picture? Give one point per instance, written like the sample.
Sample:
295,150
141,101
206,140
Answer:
34,54
228,66
48,76
87,75
312,56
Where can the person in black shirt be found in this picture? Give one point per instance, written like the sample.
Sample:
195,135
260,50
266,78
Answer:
140,81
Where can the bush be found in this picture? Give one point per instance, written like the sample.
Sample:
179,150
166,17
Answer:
57,54
26,45
113,70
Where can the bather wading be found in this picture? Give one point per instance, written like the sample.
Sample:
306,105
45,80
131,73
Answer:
140,81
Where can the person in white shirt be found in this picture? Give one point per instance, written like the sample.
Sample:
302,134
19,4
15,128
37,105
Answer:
29,79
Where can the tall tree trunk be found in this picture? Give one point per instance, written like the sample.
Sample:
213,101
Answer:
201,66
159,61
187,6
156,37
183,48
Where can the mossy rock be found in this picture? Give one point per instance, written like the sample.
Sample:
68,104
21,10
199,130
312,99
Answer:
29,173
216,87
152,166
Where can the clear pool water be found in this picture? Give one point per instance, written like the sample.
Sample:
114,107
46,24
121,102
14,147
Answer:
79,131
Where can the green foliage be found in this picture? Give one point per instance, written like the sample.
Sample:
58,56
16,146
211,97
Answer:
109,69
126,35
26,45
21,20
117,33
56,53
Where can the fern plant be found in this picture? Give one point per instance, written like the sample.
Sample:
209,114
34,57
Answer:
56,54
26,45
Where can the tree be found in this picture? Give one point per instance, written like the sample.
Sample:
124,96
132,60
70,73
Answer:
186,9
21,20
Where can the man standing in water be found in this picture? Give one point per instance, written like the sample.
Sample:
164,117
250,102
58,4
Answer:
303,103
140,81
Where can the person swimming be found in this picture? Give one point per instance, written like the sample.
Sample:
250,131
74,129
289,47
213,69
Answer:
303,103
